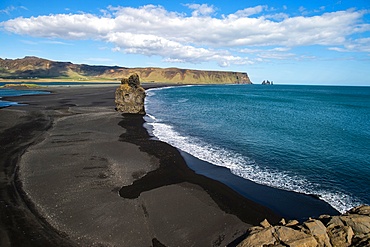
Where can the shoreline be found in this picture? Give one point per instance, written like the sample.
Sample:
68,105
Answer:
174,169
288,204
232,195
218,182
204,203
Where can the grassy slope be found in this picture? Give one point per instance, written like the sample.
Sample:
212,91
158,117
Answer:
38,69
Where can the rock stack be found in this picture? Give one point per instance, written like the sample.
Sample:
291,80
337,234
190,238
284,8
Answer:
349,229
130,96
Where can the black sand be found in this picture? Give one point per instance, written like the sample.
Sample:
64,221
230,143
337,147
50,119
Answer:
75,172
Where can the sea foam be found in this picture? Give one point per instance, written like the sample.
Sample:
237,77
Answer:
247,168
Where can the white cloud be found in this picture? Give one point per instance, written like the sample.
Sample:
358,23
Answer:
11,8
54,42
201,9
202,37
7,10
280,49
278,16
248,11
249,50
173,51
322,8
339,49
277,55
359,45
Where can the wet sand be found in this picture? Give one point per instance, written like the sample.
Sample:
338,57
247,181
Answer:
74,172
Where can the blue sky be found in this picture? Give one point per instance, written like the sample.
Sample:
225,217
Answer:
289,42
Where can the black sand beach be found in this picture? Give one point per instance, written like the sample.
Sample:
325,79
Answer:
74,172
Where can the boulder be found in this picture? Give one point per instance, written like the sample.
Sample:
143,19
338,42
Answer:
340,235
359,223
349,229
293,238
129,96
317,229
362,210
261,238
265,224
361,241
292,223
282,222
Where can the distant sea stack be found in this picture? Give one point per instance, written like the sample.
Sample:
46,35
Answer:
267,82
130,96
34,68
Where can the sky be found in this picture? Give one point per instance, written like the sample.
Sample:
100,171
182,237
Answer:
289,42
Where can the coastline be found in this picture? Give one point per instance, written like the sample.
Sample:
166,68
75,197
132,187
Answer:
288,204
211,212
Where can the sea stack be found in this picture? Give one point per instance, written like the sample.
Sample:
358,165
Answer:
130,96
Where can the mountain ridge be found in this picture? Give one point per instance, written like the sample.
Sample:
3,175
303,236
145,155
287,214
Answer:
35,68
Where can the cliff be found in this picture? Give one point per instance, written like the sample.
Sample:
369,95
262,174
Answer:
39,68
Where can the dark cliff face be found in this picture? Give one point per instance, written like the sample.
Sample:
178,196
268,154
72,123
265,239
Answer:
34,67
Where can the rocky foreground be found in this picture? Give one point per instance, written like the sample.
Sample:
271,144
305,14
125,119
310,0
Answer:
349,229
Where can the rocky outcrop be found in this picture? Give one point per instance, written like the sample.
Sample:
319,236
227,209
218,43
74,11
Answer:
267,82
130,96
351,229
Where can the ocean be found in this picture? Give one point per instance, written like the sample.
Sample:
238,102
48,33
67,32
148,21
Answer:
8,92
307,139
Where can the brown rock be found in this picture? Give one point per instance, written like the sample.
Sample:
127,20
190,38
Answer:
294,238
362,210
317,229
340,235
292,223
261,238
254,229
359,223
265,224
129,96
361,241
334,221
282,222
133,80
347,230
303,242
324,216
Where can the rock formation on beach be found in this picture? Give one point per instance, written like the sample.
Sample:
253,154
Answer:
349,229
129,96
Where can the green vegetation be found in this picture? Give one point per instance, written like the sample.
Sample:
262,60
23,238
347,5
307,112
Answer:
27,85
38,69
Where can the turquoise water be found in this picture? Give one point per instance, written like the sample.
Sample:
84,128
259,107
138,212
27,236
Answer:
310,139
7,92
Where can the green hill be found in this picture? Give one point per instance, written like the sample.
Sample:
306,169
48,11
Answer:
34,68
